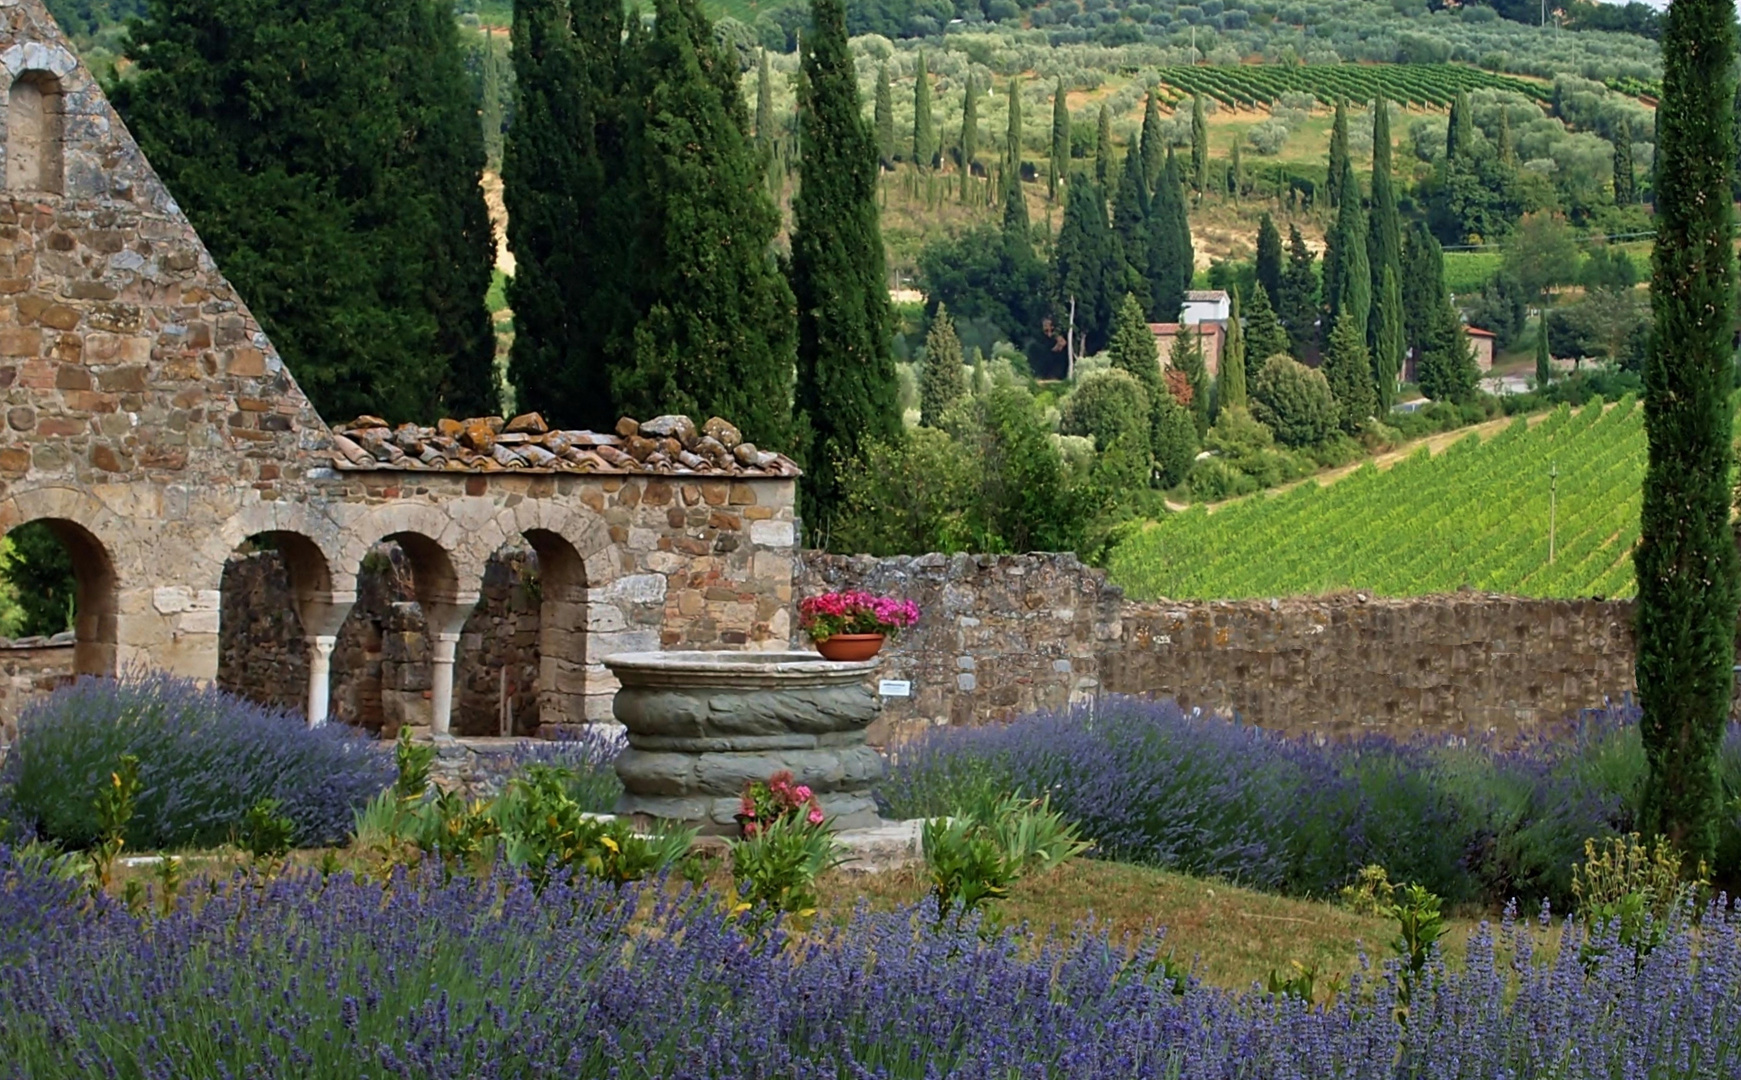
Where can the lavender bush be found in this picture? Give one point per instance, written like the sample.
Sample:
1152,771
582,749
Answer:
205,757
587,756
1150,783
418,977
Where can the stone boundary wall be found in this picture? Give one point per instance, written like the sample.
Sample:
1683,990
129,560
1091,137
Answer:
1003,635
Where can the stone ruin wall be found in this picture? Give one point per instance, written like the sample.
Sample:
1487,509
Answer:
1003,635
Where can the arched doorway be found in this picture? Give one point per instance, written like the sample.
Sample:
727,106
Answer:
60,577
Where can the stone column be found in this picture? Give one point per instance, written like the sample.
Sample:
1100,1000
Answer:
320,647
441,682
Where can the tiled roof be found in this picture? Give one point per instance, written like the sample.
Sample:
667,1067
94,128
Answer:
664,445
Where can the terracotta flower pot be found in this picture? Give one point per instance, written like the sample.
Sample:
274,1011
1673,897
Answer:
850,646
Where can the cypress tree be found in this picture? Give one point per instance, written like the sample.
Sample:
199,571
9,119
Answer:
1446,369
1188,358
924,133
1012,140
943,379
1348,369
1507,153
1060,160
567,291
1169,251
1133,348
1230,382
1423,288
1339,163
885,117
1383,244
1685,559
493,110
1269,256
969,135
715,334
1544,363
1235,173
1130,209
1263,332
1299,298
1347,273
765,103
1200,145
1625,181
1154,143
339,193
1103,148
1175,441
1459,132
1388,355
1086,267
846,371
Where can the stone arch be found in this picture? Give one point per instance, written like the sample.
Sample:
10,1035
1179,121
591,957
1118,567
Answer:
268,654
575,560
35,133
96,606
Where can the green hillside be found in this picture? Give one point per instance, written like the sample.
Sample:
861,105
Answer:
1476,514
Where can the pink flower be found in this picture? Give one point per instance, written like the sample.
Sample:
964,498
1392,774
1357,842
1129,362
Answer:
816,815
801,793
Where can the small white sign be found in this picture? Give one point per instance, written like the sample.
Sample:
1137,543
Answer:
895,688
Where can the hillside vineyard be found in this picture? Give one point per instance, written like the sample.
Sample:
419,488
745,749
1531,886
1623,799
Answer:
1475,515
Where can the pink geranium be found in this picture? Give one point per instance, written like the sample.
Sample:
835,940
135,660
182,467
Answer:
834,613
778,797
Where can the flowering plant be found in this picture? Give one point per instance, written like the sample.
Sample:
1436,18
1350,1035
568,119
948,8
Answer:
822,617
777,798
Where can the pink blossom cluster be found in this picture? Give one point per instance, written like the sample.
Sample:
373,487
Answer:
834,613
780,796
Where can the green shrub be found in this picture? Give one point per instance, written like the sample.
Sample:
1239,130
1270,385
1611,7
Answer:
984,846
775,870
1632,889
1293,401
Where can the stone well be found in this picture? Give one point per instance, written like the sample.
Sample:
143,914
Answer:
701,725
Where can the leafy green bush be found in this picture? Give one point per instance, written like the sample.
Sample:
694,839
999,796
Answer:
775,869
985,845
1632,889
1293,401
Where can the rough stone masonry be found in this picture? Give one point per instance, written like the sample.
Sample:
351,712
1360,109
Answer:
154,428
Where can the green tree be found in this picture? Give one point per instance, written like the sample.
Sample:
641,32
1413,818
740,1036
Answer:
1685,558
1199,146
567,291
715,335
1264,334
1026,492
1293,401
1171,261
1087,270
1340,165
1446,369
1625,180
1423,289
885,115
1188,358
1541,253
943,378
1175,441
38,573
1459,130
1103,148
1269,256
915,493
969,135
1384,224
765,104
1347,273
1130,210
1348,370
1235,173
1153,141
1113,408
1298,308
1544,364
924,132
338,193
1012,140
1230,383
1060,159
1387,358
846,372
1507,152
1133,348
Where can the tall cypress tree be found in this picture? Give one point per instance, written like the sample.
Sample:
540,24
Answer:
1625,182
1263,332
1130,210
1348,368
846,369
1446,369
1086,268
1339,163
1169,245
1383,237
1298,306
765,102
1685,558
1199,145
1387,354
1012,139
1423,288
1459,130
1347,273
1507,152
339,193
942,379
885,118
1103,148
1235,173
1154,142
1544,363
714,333
924,132
969,135
1060,161
1230,382
1269,256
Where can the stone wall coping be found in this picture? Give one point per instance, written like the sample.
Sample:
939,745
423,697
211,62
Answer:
745,669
